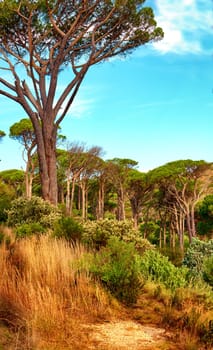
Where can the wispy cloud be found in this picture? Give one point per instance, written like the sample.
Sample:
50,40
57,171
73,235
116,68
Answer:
81,106
186,24
83,103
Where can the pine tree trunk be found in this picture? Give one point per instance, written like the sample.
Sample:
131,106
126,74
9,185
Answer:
46,148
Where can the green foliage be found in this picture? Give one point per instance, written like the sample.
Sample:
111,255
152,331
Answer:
205,216
97,233
68,228
208,270
34,210
117,266
26,230
175,255
150,230
127,17
158,268
6,196
184,168
13,178
23,132
195,256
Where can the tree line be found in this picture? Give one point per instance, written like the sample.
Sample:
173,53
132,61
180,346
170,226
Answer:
167,203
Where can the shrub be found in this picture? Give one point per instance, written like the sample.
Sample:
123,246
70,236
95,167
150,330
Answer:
158,268
208,270
174,255
6,196
27,230
97,233
34,210
69,229
205,217
195,256
117,266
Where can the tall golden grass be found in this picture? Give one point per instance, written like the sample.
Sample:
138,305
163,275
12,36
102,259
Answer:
44,295
48,298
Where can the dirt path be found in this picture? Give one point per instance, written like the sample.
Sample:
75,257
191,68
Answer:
123,335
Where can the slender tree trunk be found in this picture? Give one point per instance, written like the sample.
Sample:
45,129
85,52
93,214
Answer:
72,195
193,220
27,189
79,197
100,206
83,193
86,203
68,196
164,235
160,238
180,226
189,228
121,205
31,176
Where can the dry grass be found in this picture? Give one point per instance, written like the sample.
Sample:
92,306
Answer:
44,294
48,301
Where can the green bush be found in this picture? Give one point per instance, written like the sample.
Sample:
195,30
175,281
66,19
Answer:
34,210
117,266
26,230
158,268
97,233
150,230
204,212
68,228
174,255
7,194
195,256
208,270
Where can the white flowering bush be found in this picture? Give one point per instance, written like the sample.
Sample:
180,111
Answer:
25,211
97,233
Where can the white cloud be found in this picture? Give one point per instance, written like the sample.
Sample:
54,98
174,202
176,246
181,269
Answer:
81,107
185,24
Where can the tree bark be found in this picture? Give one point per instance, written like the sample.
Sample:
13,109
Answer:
100,206
46,148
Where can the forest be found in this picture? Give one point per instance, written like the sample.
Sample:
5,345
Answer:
142,239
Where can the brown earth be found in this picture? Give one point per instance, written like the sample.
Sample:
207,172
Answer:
123,335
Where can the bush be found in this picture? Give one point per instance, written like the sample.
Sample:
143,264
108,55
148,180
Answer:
158,268
208,270
6,196
97,233
34,210
174,255
195,256
69,229
27,230
117,266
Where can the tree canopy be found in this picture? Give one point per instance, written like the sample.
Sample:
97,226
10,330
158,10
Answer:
40,38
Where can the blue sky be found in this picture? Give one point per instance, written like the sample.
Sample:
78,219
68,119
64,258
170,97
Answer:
154,107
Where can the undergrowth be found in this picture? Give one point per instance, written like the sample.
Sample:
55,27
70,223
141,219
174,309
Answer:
51,288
